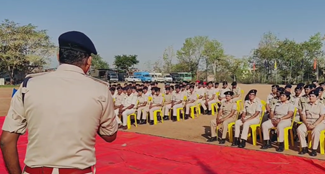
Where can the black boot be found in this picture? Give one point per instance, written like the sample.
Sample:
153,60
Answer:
151,122
266,145
313,153
209,112
242,144
205,112
212,139
281,147
222,141
235,142
174,118
166,117
138,121
303,151
143,122
187,116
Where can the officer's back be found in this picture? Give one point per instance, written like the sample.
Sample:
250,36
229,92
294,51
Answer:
63,111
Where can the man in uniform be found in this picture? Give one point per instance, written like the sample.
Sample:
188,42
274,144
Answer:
52,106
167,103
237,91
201,92
155,104
142,107
191,101
224,89
210,96
270,97
128,107
118,99
177,100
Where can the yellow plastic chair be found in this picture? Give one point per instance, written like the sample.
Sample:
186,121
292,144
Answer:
149,98
178,113
192,109
263,103
286,132
128,123
254,127
155,114
213,108
322,142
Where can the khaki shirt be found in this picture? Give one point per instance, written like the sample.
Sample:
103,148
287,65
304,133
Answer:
269,98
201,91
273,102
313,111
142,99
192,96
252,107
177,97
226,108
157,99
210,93
222,92
168,98
237,91
63,111
281,109
119,99
303,101
130,100
295,100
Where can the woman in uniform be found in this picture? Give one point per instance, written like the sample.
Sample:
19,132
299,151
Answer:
226,115
312,117
280,117
250,116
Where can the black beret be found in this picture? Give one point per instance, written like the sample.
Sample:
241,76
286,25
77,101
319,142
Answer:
224,83
307,86
280,89
233,83
200,83
229,93
176,86
192,86
119,88
145,88
167,88
315,92
112,89
275,86
77,41
312,86
286,93
217,83
301,84
288,86
298,87
157,89
127,88
153,88
252,91
140,90
318,89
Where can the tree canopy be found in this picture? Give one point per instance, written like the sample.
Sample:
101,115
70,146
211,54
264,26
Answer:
98,62
124,63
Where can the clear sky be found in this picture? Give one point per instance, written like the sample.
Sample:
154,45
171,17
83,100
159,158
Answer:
147,27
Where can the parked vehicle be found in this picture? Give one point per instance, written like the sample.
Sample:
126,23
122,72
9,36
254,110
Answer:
112,76
176,77
185,76
144,76
157,77
132,79
168,78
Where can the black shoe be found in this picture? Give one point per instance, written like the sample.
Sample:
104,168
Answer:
313,153
174,118
212,139
143,122
166,117
209,112
159,118
151,122
205,112
186,116
138,121
242,144
235,142
266,145
281,147
303,151
222,141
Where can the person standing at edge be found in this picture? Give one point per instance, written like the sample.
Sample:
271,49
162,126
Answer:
63,111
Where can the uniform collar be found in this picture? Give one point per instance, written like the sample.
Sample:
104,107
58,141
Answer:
67,67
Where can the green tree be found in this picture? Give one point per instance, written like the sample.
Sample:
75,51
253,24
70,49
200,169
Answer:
98,62
125,63
23,48
213,52
192,52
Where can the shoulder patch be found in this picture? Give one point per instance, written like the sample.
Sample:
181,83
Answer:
99,81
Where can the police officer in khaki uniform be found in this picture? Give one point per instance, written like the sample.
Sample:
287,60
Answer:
237,91
118,98
167,103
201,92
128,107
210,96
312,117
226,115
224,89
280,117
250,116
52,106
142,107
157,103
191,101
177,101
273,94
304,99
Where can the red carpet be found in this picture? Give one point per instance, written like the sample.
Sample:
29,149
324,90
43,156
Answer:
137,153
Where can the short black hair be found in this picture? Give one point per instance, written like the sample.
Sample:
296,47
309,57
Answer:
73,57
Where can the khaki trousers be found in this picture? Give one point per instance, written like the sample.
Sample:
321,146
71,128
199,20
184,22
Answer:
280,129
209,104
124,115
56,171
302,133
188,106
166,109
144,110
152,110
244,133
202,102
223,126
175,107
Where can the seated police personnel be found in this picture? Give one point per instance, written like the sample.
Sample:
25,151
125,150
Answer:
155,104
250,116
280,117
191,101
226,115
128,107
312,117
142,107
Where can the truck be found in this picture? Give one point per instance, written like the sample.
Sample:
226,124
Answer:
107,75
157,77
185,76
176,77
144,76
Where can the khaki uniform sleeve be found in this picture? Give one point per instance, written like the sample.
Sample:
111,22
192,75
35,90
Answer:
108,122
15,121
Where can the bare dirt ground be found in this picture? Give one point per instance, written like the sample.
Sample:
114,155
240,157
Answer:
196,130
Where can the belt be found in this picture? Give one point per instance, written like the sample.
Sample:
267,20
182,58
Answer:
48,170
